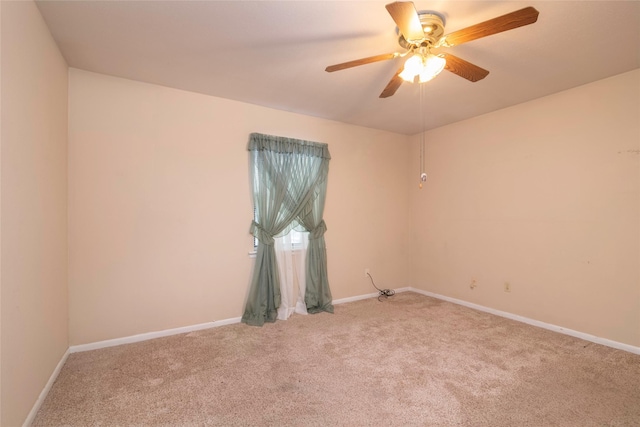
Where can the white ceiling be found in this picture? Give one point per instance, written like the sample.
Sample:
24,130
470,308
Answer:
273,53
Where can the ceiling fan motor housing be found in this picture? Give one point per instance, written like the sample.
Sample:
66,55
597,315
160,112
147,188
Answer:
433,27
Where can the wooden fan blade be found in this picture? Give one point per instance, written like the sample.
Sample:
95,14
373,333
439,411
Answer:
406,17
512,20
357,62
393,84
464,69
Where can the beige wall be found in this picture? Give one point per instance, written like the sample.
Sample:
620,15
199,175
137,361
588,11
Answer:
34,332
0,214
159,205
546,196
543,195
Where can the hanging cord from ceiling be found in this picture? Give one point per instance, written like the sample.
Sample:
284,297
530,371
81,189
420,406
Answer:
423,174
382,292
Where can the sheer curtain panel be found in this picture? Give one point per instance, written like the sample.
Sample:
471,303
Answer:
291,256
289,182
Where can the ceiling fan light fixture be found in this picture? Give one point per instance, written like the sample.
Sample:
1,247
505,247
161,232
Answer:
412,68
433,66
423,65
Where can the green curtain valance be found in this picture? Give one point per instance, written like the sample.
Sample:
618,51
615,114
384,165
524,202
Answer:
284,145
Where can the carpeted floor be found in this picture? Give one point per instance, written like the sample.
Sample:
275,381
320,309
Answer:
410,360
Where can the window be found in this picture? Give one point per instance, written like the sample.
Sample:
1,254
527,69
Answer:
296,237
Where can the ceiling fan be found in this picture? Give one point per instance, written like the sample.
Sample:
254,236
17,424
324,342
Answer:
419,33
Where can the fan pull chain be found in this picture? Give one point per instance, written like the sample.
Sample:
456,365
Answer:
423,175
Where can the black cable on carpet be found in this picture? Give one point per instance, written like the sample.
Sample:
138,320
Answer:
382,292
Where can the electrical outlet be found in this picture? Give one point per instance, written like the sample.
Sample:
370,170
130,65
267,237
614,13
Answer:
507,287
366,272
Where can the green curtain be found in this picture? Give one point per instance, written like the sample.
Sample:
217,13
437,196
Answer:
289,180
317,295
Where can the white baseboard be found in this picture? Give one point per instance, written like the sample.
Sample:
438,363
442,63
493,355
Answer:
45,390
367,296
186,329
352,299
528,321
152,335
